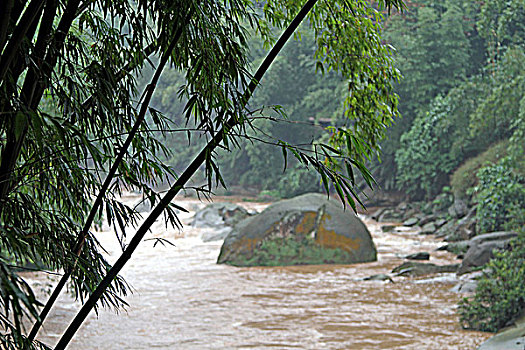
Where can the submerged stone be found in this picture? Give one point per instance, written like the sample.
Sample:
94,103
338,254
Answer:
308,229
410,268
418,256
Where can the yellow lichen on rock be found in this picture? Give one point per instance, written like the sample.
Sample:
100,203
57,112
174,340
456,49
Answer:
330,239
249,244
307,224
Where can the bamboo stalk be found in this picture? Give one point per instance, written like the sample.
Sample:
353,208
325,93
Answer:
180,183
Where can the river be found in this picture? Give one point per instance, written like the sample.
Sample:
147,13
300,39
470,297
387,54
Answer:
183,300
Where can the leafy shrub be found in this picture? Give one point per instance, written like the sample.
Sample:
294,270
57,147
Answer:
500,197
439,139
464,177
500,294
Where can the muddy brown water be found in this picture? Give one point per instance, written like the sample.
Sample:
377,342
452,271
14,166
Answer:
183,300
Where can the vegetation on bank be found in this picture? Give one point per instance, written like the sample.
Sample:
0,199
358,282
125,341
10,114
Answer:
500,294
469,136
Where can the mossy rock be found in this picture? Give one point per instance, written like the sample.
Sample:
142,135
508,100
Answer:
308,229
464,177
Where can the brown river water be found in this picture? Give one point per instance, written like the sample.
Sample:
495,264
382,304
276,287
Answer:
183,300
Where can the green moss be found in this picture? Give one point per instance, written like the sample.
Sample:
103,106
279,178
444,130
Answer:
464,178
293,251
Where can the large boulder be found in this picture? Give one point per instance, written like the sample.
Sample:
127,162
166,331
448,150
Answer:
219,216
481,249
511,338
458,209
308,229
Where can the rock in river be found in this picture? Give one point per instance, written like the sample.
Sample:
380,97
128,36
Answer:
308,229
379,277
511,338
410,268
418,256
410,222
220,216
481,249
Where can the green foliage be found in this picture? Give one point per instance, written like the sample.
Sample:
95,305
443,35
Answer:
500,294
498,115
436,48
355,49
422,160
500,196
421,38
299,250
438,140
502,24
465,122
299,180
464,177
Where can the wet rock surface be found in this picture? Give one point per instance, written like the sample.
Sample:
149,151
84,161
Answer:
511,338
221,217
379,277
410,222
481,249
418,256
428,229
411,268
308,229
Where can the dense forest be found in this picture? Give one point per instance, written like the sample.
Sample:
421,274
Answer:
421,99
461,106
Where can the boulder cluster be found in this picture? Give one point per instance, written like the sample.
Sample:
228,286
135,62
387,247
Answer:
456,226
308,229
